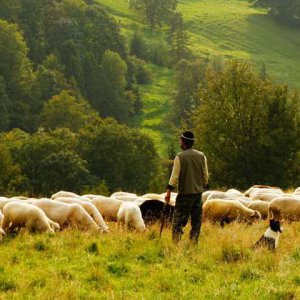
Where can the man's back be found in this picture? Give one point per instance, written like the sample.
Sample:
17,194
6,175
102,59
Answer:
193,172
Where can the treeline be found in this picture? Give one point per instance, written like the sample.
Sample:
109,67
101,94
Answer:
248,126
287,10
101,157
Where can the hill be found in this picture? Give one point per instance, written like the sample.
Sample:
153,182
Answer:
220,29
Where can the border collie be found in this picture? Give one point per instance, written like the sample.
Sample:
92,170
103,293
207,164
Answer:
271,236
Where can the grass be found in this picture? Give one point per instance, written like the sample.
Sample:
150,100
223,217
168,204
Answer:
220,29
128,265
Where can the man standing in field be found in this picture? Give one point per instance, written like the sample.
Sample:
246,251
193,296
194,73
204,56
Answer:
190,173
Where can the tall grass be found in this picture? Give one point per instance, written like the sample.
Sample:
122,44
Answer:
129,265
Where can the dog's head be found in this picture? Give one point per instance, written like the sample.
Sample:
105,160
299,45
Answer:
275,226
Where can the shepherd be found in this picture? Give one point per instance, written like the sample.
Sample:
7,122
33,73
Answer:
190,175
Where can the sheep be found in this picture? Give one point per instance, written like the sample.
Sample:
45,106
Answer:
257,189
108,207
227,211
64,194
265,196
18,215
67,214
124,196
261,206
130,215
90,208
287,208
234,192
152,211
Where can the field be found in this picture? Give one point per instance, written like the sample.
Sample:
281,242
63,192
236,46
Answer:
128,265
220,29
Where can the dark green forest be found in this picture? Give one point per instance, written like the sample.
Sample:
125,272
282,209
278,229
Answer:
69,86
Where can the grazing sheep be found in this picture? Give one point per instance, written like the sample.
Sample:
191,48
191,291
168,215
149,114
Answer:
123,196
67,214
130,215
89,207
257,189
64,194
263,196
4,201
219,195
234,192
18,215
226,211
287,208
261,206
108,207
152,211
206,194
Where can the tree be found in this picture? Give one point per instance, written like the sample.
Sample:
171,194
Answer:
113,101
248,127
178,39
122,157
155,12
66,110
138,46
16,72
49,162
4,103
188,77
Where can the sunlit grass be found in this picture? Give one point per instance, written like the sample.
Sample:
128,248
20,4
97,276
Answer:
74,265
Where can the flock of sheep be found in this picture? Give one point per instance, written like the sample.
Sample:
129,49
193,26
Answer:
89,212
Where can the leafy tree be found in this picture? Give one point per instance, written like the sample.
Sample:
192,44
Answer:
15,71
155,12
138,46
10,174
66,110
4,103
113,102
49,162
248,127
124,158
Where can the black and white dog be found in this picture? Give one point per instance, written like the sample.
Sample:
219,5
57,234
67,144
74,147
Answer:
271,236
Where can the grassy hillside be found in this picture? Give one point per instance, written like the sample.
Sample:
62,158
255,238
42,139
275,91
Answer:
124,265
233,29
222,29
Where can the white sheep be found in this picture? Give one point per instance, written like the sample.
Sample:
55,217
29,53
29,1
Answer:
261,206
130,215
108,207
89,207
67,214
18,215
227,211
287,208
64,194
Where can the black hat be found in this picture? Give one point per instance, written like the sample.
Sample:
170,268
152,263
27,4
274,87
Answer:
188,135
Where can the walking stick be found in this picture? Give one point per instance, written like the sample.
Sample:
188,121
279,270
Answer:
162,220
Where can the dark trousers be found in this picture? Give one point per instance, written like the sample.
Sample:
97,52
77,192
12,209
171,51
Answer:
187,206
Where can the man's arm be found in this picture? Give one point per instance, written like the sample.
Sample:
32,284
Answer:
205,173
173,179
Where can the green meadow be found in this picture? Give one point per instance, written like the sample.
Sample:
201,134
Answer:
129,265
220,30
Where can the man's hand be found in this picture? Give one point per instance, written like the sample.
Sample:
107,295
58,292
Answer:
168,196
